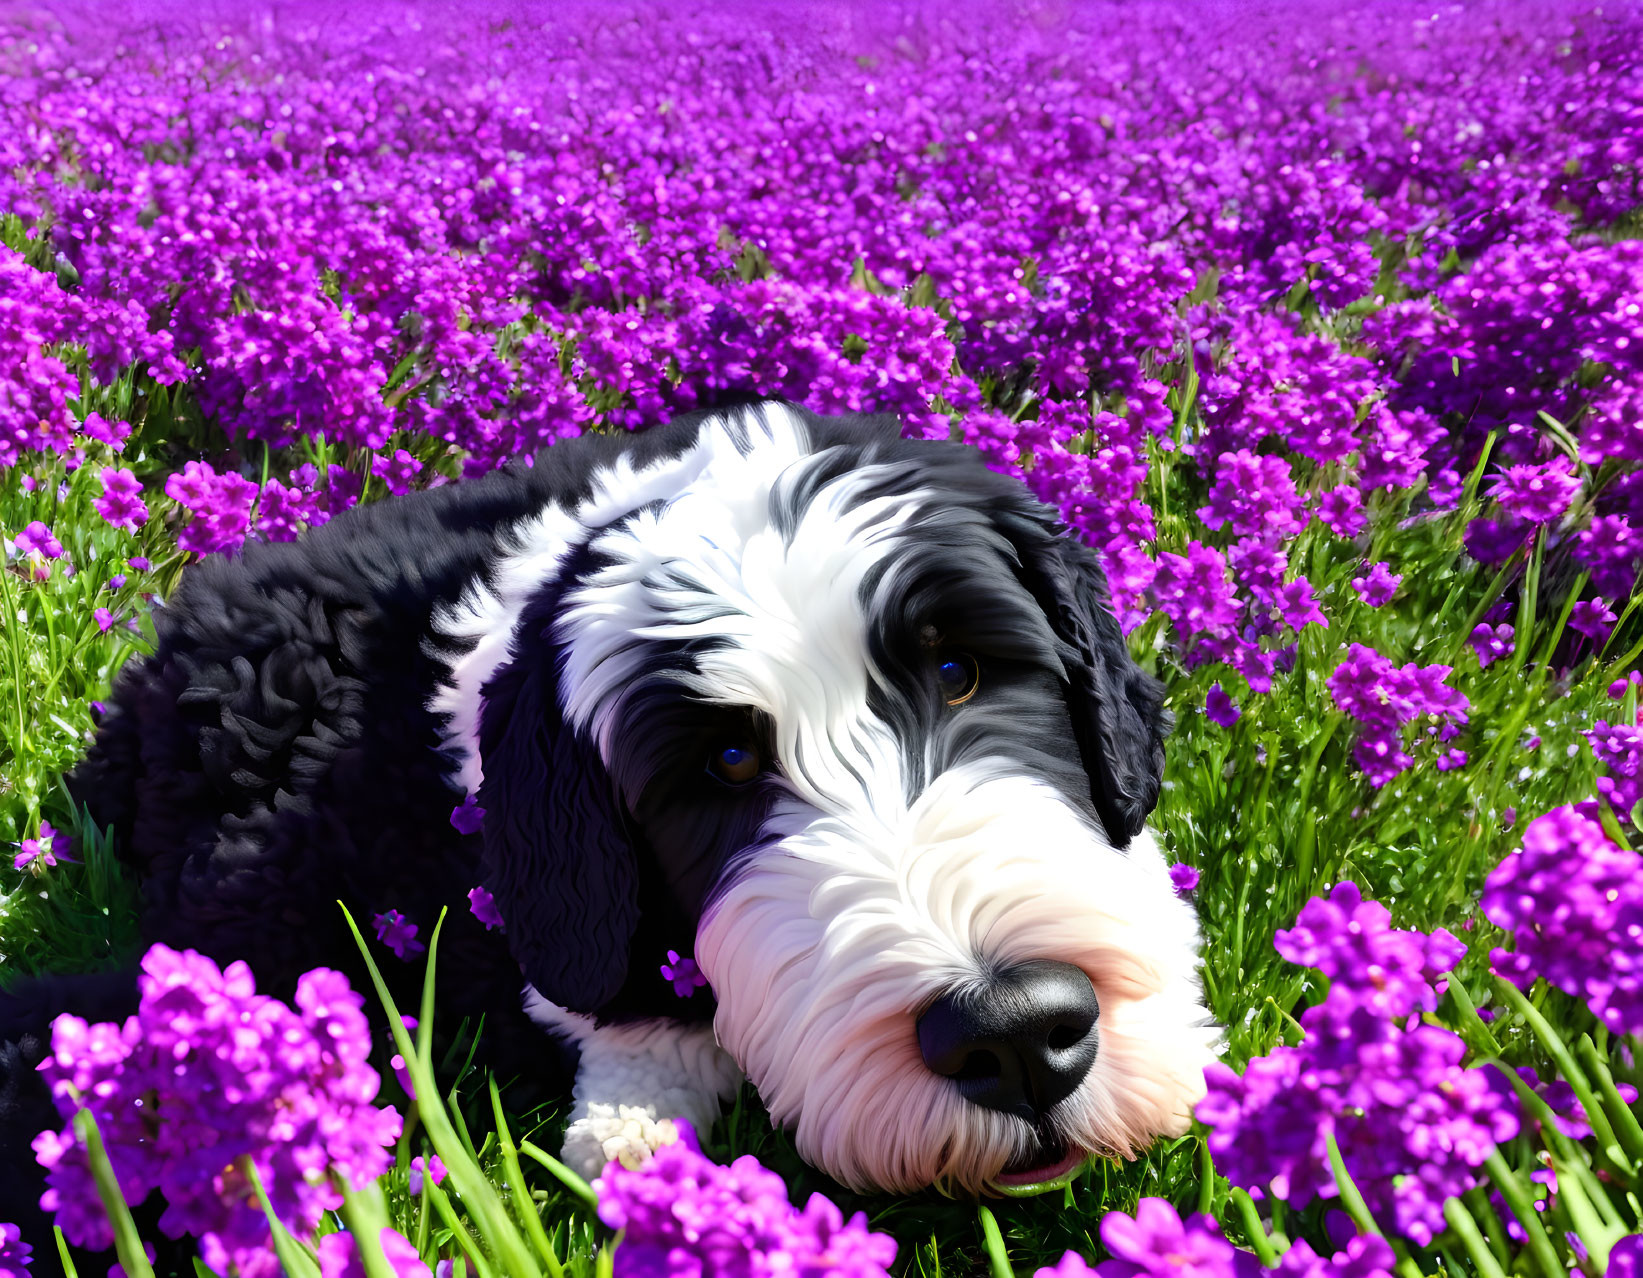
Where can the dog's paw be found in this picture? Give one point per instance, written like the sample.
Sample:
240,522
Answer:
627,1134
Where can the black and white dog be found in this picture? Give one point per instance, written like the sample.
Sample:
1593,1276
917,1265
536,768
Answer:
844,716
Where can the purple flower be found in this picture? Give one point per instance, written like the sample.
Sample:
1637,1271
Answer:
398,933
220,504
681,1213
1220,708
1491,643
104,618
206,1074
1297,606
1611,549
137,563
1364,1256
685,977
431,1167
42,849
483,906
1156,1243
1072,1265
1341,510
14,1252
1183,877
402,1073
1413,1124
1192,590
37,539
1377,587
1383,698
1537,494
1449,760
114,433
1619,748
397,471
1573,903
468,816
1626,1257
1593,618
121,504
1254,495
339,1256
1351,941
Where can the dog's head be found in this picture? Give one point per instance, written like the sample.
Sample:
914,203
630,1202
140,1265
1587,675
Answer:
849,716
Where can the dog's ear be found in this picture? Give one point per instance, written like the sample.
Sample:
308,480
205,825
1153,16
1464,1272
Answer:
558,857
1117,708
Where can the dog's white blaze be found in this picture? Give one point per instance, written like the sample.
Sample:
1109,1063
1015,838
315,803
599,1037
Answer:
787,609
827,944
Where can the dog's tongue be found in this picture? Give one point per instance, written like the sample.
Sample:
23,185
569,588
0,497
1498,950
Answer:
1042,1177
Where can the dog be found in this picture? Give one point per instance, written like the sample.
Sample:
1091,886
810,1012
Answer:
844,718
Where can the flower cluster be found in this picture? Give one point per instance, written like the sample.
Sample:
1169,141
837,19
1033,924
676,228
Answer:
1384,698
14,1252
1157,1243
1573,903
681,1213
1412,1123
358,250
207,1080
1619,748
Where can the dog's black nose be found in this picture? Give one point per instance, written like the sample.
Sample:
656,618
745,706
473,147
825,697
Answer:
1020,1043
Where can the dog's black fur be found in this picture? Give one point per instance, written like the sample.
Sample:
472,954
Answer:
276,753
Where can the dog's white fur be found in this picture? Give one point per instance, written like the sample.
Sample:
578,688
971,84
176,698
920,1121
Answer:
859,907
632,1081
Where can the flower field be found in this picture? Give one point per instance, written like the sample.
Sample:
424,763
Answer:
1323,323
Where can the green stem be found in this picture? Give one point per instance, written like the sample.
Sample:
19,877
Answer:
478,1195
1358,1209
1572,1073
1626,1127
1206,1178
998,1260
62,1253
1300,1031
1511,1189
1475,1024
1258,1236
127,1244
1484,1214
529,1216
1351,1199
14,636
366,1215
1466,1229
296,1262
459,1231
1597,1234
569,1179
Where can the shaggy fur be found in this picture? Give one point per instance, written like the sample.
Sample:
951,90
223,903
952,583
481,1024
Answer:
571,641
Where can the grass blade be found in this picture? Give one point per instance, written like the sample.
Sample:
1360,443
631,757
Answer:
127,1244
998,1260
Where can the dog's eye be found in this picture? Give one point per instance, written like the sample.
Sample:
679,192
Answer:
958,676
735,764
